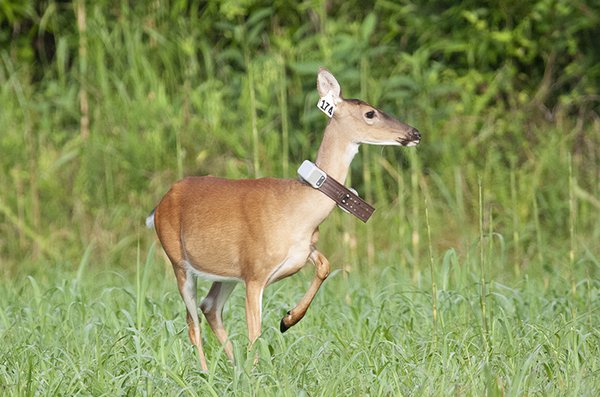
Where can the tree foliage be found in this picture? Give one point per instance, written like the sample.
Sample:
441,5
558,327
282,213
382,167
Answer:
167,88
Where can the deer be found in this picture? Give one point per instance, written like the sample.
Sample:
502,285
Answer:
259,231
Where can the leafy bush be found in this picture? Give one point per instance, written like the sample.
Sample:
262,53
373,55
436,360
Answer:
104,104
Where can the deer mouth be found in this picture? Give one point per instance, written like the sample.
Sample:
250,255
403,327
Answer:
413,138
407,143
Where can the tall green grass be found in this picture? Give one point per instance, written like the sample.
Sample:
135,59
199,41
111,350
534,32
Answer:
165,102
367,333
477,275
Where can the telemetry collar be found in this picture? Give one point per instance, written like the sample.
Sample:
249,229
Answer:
345,198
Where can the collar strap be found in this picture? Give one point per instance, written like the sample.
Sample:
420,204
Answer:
343,197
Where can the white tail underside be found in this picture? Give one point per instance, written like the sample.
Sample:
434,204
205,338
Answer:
150,220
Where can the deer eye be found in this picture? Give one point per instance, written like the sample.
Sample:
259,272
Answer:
370,114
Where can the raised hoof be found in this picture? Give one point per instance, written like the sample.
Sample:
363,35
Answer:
282,326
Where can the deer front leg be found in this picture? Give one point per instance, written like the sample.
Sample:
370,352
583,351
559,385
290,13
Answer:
322,271
254,293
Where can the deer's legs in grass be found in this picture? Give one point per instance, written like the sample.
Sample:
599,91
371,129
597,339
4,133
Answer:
322,271
212,307
187,287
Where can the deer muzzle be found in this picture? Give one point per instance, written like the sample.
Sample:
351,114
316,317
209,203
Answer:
412,138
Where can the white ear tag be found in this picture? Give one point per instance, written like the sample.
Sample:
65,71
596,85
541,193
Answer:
326,104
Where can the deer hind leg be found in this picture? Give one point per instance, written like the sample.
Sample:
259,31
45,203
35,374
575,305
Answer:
187,287
322,271
212,307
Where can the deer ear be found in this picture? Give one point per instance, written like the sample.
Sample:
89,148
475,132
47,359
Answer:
326,84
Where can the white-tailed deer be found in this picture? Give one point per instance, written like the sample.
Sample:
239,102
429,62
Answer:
258,231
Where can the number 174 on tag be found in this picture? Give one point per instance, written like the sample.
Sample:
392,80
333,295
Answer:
326,105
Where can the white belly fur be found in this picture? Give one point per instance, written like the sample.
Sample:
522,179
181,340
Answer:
294,261
207,276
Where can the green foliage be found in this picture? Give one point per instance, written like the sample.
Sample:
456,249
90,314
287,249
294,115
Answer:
107,333
187,87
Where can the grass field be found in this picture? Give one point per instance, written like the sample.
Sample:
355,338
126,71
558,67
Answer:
369,332
479,273
459,327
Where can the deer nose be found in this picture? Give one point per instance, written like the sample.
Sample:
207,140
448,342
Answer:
410,137
414,134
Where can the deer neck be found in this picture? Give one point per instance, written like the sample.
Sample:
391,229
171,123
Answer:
334,157
336,152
